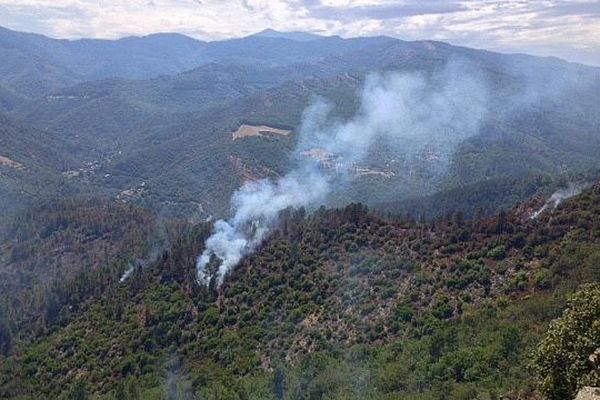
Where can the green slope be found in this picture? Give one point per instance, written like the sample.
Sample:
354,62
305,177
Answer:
168,132
32,164
342,304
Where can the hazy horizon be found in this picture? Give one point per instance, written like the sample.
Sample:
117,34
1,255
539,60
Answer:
301,32
566,29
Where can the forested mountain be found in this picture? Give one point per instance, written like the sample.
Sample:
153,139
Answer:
34,64
459,215
166,131
31,165
338,304
63,252
151,140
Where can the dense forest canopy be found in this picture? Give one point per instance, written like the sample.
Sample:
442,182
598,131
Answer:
341,303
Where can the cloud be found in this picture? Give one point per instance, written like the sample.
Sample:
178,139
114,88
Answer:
569,29
591,9
383,11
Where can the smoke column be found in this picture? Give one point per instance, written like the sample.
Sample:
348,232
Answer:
158,242
126,274
411,112
557,198
257,205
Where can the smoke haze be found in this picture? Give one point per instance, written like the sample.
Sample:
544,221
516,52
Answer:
411,113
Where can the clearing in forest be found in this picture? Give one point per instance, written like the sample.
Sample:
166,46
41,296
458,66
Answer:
258,130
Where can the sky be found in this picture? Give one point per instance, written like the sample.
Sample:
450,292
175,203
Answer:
569,29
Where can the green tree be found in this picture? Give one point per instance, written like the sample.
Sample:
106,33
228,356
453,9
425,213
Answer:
120,393
567,357
79,391
133,391
279,384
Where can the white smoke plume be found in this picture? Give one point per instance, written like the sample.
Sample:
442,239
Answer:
126,274
257,205
410,112
158,243
557,197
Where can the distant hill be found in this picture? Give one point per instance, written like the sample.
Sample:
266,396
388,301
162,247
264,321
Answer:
296,36
34,64
31,165
166,132
543,139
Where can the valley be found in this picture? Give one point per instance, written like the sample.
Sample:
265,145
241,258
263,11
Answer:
184,121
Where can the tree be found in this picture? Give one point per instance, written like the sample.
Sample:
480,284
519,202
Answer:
133,391
501,222
79,391
279,384
5,338
120,393
568,357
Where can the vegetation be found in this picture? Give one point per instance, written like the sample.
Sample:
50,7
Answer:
57,256
442,288
337,304
569,355
114,133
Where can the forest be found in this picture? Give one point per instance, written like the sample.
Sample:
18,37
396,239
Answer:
337,304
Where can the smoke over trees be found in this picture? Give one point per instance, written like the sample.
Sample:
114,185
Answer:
411,113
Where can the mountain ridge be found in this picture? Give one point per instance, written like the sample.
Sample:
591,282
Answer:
118,122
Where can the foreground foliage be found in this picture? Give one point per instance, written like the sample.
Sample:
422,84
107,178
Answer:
568,358
339,304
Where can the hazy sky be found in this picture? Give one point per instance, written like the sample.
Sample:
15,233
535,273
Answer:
566,28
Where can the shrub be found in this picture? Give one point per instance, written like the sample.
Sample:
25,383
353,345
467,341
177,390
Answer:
497,253
567,357
543,278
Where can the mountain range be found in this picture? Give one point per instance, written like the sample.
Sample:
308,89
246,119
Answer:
160,110
444,247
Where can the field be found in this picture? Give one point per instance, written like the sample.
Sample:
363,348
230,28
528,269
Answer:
258,130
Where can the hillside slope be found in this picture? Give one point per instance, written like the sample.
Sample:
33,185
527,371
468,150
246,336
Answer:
31,165
539,114
338,304
56,256
165,132
34,64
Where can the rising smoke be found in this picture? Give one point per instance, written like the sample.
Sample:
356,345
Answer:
557,197
411,112
257,205
127,273
158,242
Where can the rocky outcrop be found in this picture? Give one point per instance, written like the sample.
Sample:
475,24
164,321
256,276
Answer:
588,393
